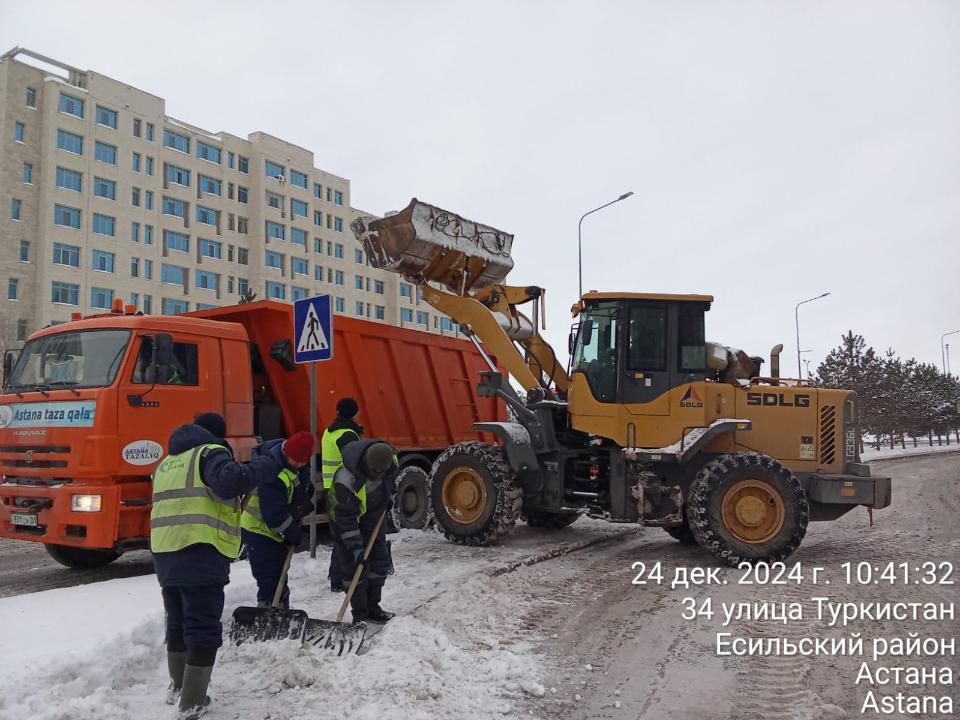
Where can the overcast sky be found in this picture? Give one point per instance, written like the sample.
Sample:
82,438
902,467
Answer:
777,150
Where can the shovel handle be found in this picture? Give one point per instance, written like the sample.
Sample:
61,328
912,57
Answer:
283,578
360,565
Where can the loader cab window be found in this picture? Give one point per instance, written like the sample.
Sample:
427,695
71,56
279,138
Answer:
183,368
647,333
595,353
692,347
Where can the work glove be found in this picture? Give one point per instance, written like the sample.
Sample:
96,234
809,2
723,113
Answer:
293,534
298,511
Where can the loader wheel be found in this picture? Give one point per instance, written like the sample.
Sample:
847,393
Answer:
473,494
81,558
413,502
748,508
552,521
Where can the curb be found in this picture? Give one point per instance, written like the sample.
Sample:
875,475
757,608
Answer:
907,456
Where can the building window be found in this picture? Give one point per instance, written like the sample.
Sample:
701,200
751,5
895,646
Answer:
209,153
24,251
406,315
104,224
18,130
274,170
21,330
276,291
340,304
174,307
243,285
318,218
230,284
69,179
298,207
66,216
210,186
137,127
172,206
337,198
135,300
101,298
149,139
339,277
379,312
148,231
274,200
338,224
230,160
231,221
358,282
65,293
148,199
206,280
243,164
276,231
329,221
242,194
176,141
106,116
135,162
318,273
298,236
149,166
102,261
297,293
71,105
104,188
338,251
318,191
176,241
405,290
243,256
13,287
329,195
273,259
358,308
300,266
134,267
135,232
27,173
135,196
317,245
105,153
171,274
31,98
378,287
66,255
205,215
299,179
422,318
15,205
147,300
211,248
147,272
70,142
178,175
358,256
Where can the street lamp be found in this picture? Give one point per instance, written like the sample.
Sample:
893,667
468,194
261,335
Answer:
796,318
942,358
580,236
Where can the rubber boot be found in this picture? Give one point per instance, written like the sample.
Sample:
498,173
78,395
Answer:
375,613
175,664
193,695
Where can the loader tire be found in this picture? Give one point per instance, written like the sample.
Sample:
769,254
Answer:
81,558
412,509
551,521
474,497
748,507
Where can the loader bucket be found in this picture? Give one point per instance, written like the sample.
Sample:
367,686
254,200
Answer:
423,242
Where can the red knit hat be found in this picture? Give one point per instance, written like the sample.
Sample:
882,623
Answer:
299,447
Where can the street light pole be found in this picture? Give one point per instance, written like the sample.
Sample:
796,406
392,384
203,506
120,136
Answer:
796,319
948,360
580,236
943,361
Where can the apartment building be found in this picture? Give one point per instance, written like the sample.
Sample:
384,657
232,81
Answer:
104,196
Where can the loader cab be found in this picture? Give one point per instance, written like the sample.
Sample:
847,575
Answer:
632,348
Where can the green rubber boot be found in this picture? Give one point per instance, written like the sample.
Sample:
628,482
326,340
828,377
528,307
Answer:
193,695
176,661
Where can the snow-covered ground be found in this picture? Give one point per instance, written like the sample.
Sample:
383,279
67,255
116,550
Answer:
870,453
96,651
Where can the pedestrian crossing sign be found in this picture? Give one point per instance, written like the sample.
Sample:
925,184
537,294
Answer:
313,329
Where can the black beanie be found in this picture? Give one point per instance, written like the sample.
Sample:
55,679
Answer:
347,407
212,423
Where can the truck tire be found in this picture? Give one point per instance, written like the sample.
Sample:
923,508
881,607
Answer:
551,521
748,507
413,500
81,558
472,491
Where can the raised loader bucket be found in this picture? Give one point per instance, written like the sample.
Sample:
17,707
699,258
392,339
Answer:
424,242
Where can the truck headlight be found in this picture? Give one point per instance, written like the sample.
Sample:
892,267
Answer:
86,503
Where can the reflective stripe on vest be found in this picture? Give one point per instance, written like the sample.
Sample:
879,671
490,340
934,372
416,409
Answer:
346,479
330,458
186,512
252,520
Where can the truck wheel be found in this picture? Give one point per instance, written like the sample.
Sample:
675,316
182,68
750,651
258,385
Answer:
748,507
413,503
473,494
552,521
81,558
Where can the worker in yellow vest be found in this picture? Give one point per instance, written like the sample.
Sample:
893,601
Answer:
342,431
194,536
272,519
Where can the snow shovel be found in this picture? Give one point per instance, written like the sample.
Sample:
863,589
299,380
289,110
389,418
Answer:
269,623
337,636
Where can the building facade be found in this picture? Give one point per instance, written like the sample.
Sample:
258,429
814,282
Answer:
104,196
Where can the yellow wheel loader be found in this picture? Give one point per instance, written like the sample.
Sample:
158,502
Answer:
649,423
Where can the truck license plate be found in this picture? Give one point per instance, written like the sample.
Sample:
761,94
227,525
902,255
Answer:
27,519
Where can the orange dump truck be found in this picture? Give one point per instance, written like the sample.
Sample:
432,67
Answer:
86,411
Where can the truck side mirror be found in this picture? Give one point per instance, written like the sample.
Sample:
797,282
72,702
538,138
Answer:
162,349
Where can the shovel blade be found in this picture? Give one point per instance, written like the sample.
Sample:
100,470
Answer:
337,638
258,624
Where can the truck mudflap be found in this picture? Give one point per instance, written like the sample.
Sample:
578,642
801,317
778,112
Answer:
873,492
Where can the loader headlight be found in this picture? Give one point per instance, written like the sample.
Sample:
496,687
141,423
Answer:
86,503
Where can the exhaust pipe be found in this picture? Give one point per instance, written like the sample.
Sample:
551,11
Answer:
775,362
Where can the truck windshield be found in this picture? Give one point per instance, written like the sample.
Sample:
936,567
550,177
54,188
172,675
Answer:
70,359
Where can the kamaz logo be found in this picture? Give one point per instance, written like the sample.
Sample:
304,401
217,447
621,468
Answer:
778,400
